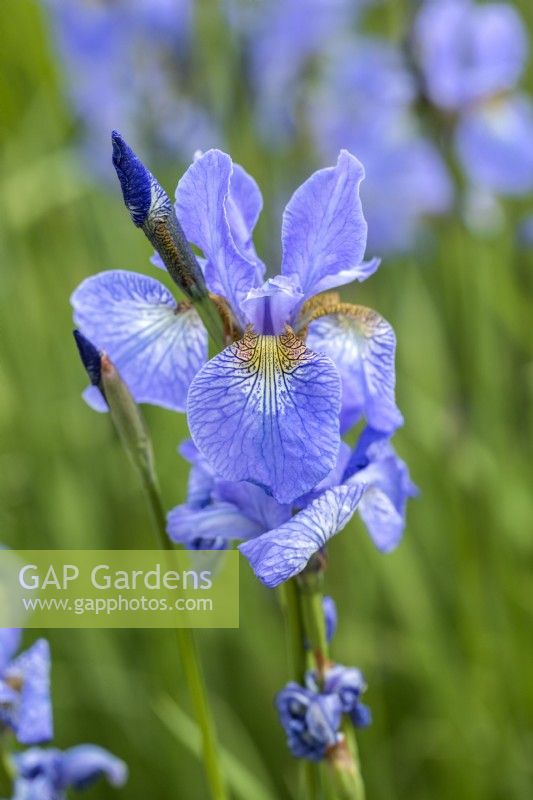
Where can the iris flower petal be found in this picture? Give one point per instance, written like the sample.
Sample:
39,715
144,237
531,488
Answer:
219,522
266,410
324,231
383,522
284,552
156,344
9,644
33,717
81,766
362,345
217,221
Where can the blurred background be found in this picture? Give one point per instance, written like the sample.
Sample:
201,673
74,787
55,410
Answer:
442,626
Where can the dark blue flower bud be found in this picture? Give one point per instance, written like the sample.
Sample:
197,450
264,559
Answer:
91,358
145,199
151,210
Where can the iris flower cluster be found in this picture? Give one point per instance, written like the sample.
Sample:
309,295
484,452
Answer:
132,62
471,57
300,366
26,710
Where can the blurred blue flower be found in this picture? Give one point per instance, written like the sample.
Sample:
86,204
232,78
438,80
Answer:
47,774
525,232
281,39
25,705
364,102
494,143
267,409
468,52
311,720
126,65
471,58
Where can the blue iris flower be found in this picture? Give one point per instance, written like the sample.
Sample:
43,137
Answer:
269,408
47,774
129,61
471,58
25,705
364,101
279,539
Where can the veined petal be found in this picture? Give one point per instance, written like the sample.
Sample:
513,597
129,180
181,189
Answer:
155,344
211,527
244,206
254,502
324,231
218,222
362,345
265,410
388,486
280,554
383,522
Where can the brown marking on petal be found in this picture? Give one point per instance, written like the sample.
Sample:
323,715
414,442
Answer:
330,305
15,681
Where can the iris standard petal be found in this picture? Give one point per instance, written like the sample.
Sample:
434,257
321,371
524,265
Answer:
156,344
362,345
217,222
266,410
280,554
81,766
273,305
324,231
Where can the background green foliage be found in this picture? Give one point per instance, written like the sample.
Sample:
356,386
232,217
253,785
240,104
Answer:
442,627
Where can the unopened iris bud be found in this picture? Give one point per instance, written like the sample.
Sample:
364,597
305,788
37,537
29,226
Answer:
125,412
311,721
152,211
349,684
91,358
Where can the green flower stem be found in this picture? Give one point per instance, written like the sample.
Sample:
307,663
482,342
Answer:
188,654
7,774
294,630
343,758
134,436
